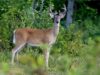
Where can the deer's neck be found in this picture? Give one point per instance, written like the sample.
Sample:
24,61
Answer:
56,29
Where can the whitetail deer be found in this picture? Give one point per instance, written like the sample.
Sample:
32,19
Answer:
38,37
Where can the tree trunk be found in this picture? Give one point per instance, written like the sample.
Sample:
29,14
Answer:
69,12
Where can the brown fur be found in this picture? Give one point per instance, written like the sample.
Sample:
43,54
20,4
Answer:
34,36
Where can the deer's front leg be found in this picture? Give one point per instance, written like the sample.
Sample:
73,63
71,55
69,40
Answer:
46,56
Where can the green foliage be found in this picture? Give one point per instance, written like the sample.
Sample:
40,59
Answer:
85,11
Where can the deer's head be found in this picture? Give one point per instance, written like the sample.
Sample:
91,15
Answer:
57,16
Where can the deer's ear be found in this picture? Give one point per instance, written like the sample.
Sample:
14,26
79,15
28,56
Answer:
51,15
51,12
62,15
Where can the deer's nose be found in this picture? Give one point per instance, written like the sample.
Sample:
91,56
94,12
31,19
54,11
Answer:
57,22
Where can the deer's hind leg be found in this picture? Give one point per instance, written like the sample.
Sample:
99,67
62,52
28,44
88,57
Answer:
15,51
